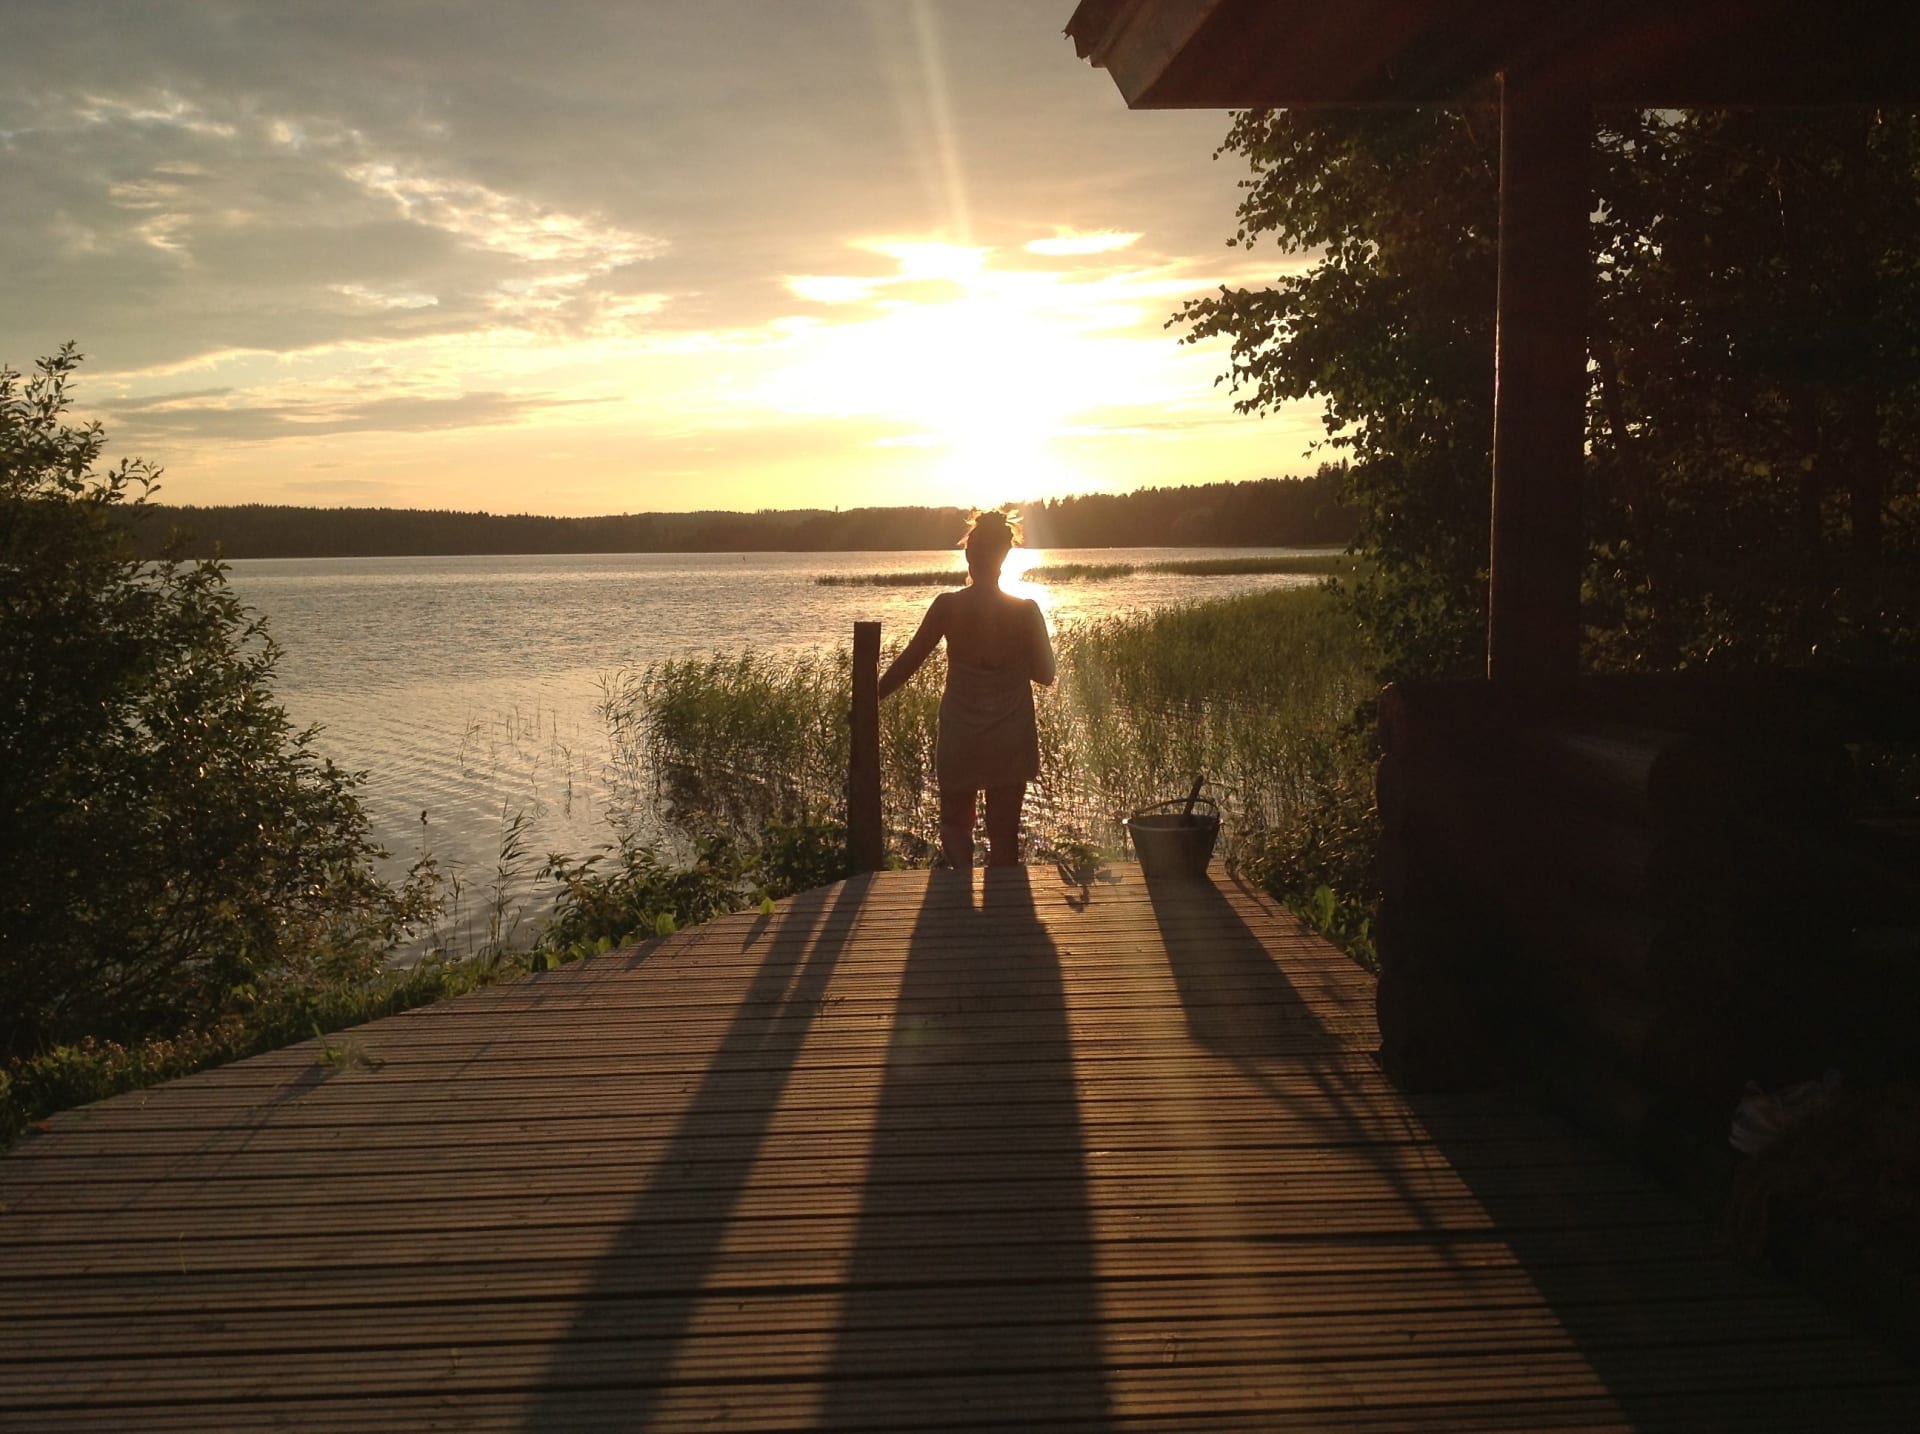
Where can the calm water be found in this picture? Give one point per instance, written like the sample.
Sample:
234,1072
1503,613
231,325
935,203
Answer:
466,687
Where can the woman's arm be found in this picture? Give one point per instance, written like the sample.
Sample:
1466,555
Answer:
1042,669
933,627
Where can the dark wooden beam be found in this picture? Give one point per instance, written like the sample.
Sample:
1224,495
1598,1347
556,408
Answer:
866,846
1289,54
1533,620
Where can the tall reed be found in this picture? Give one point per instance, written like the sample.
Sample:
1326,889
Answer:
747,739
1251,691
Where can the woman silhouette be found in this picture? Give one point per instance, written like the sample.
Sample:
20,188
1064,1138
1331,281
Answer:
997,648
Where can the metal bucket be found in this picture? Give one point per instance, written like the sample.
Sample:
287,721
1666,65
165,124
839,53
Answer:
1173,843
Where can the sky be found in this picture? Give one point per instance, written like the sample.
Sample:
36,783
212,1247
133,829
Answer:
580,258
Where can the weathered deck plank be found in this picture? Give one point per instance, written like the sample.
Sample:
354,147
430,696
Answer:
913,1152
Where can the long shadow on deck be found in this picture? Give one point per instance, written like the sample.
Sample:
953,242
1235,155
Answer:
1239,1003
1676,1336
1236,999
614,1364
1678,1333
971,1289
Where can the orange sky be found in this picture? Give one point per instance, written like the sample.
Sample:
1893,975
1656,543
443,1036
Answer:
578,258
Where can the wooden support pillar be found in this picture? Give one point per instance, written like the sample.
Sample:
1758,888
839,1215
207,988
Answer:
1540,380
866,849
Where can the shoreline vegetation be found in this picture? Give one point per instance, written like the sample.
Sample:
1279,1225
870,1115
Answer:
1318,564
746,754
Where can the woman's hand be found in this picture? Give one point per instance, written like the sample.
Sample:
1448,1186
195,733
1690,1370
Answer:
932,628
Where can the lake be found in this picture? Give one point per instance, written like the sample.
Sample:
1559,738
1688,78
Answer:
466,688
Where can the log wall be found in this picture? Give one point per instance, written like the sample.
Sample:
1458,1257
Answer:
1640,896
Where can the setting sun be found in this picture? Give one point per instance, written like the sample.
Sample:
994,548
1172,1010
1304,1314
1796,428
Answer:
985,360
978,363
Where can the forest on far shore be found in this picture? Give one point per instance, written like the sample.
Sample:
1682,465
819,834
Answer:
1267,512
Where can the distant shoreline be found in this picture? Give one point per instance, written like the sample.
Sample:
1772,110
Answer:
1304,557
1265,513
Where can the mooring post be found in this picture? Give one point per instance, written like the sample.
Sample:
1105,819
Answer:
865,849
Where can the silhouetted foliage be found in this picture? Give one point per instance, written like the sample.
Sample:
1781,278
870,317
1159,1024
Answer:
171,844
1754,414
1392,329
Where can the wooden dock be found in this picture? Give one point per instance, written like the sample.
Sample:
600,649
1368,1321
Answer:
915,1151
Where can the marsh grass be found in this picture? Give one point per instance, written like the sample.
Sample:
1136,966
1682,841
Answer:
754,743
925,578
1252,691
1325,564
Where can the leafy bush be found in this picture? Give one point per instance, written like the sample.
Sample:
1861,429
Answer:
1323,859
798,856
171,842
90,1069
631,889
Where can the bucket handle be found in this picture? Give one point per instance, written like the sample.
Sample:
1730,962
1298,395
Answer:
1184,805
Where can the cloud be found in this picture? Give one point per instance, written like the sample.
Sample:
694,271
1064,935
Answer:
187,228
509,224
125,406
183,416
346,492
1067,243
834,288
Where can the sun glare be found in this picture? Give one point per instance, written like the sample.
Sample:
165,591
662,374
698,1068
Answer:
1018,562
1013,578
981,368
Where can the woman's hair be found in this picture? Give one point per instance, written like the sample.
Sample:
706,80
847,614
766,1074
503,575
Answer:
991,534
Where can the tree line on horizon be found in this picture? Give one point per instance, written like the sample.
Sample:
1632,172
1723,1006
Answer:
1267,512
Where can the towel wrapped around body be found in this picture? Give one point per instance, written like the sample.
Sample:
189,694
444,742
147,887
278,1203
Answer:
987,732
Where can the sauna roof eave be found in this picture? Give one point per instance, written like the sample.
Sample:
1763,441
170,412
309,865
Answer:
1257,54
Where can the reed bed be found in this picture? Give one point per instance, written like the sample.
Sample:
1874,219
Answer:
926,578
1325,564
1252,691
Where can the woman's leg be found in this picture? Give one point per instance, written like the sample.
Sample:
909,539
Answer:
956,829
1003,824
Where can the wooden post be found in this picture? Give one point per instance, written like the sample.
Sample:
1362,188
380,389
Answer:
866,851
1540,380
